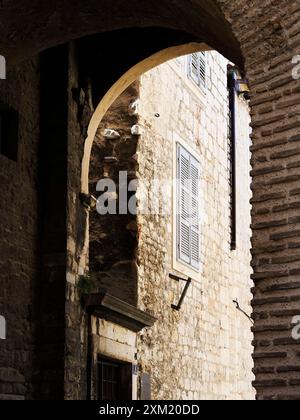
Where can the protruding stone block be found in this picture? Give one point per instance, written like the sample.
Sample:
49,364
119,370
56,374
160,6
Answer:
111,134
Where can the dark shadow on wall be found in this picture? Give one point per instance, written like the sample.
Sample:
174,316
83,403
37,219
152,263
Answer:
104,58
113,238
53,207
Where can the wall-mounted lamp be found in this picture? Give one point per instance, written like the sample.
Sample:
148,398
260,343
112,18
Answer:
242,88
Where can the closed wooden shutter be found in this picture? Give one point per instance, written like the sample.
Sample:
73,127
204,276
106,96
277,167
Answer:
145,384
195,240
197,68
187,207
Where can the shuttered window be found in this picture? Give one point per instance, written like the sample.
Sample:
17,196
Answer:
188,241
197,68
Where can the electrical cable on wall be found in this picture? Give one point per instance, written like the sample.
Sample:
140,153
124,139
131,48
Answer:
243,312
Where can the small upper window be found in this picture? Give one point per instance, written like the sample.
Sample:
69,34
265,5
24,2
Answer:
9,132
197,68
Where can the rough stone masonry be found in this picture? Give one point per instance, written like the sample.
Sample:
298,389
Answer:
43,222
203,351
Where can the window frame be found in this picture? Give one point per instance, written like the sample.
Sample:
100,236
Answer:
200,80
178,264
123,369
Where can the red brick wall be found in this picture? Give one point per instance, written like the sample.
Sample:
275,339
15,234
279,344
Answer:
269,33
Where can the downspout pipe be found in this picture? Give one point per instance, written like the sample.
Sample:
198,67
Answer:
232,87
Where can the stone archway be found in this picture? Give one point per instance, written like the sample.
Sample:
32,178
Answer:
275,107
267,33
111,238
115,91
29,28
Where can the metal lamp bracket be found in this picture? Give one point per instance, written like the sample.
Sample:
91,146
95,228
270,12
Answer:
185,290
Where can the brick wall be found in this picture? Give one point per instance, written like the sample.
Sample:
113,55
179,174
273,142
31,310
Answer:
269,37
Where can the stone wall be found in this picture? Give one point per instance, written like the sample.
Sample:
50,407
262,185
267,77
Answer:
76,320
113,238
207,345
268,34
203,351
19,236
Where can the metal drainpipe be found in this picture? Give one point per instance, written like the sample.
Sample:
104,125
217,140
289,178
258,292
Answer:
232,86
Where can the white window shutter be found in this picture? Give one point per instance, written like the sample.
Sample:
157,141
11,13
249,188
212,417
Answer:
193,67
187,207
197,68
194,216
183,195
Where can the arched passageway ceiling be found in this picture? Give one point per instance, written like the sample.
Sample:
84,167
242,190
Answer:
104,58
30,26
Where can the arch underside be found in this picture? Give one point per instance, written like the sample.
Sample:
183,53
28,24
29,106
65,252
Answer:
115,47
27,27
117,88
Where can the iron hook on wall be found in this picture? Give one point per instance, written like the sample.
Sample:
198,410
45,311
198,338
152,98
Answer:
185,290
